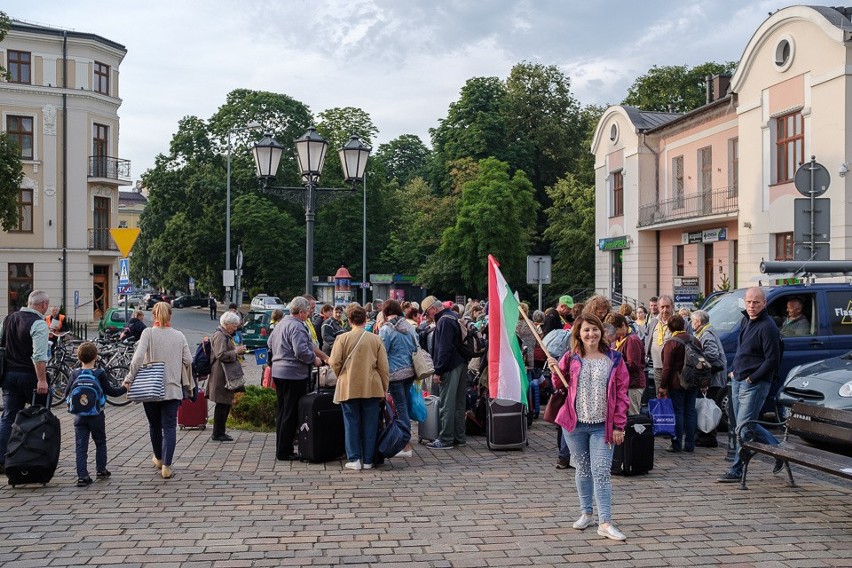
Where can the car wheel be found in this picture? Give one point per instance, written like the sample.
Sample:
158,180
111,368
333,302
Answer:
722,399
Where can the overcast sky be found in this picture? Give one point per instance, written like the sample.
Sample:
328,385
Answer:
402,61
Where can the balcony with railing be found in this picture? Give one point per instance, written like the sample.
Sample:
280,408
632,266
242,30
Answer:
723,201
100,239
109,169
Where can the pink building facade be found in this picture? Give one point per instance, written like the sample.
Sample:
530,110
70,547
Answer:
687,204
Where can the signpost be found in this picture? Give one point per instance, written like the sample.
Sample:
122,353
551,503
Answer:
76,303
686,291
812,216
538,272
124,238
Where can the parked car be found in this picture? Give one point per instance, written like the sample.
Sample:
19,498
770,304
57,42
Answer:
148,301
825,383
256,328
113,320
133,300
826,307
264,302
188,301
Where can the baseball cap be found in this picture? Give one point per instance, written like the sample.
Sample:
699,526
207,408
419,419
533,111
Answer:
567,300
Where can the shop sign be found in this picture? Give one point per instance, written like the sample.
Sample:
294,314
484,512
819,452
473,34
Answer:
614,243
713,235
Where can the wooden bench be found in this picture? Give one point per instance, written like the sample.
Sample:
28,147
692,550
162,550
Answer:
811,422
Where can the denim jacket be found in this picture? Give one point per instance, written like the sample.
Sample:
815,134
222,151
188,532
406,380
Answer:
400,341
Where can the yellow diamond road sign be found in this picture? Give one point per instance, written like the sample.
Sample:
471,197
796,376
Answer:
124,238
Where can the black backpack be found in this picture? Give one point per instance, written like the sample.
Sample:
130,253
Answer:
472,344
697,370
201,360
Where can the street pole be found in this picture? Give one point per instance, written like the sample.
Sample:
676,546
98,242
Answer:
228,217
364,249
310,216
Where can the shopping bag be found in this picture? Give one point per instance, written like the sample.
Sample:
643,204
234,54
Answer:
416,404
709,415
662,416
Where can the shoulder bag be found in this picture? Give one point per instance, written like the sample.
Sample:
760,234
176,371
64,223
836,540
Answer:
422,363
395,434
149,384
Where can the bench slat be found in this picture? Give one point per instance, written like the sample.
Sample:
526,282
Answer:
822,414
815,458
828,432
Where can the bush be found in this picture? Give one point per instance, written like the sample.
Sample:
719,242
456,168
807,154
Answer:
254,409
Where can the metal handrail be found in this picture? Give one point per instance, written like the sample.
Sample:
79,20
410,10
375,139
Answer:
689,206
100,239
109,168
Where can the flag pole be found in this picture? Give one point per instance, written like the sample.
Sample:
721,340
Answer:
541,344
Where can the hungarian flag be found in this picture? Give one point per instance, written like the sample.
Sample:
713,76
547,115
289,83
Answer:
507,375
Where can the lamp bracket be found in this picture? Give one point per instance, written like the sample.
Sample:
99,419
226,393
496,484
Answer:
300,194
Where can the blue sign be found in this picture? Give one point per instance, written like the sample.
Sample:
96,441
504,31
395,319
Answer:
124,289
685,297
76,299
124,271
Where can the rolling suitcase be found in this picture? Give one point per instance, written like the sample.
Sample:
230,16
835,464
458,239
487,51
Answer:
321,431
636,455
506,425
193,414
33,451
431,427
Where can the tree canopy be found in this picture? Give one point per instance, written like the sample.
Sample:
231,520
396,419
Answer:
675,88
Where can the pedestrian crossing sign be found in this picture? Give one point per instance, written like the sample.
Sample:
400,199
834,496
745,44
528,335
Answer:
124,271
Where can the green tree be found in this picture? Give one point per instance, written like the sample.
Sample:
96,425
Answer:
571,233
676,88
496,212
403,158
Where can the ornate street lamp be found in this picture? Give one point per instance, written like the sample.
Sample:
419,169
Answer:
311,149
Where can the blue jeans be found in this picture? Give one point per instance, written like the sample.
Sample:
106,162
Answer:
361,419
399,392
84,426
592,463
18,390
562,442
748,399
162,428
686,418
534,377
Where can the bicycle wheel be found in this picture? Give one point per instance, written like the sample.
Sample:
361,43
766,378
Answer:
57,379
115,376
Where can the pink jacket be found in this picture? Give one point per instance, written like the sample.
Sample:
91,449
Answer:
617,400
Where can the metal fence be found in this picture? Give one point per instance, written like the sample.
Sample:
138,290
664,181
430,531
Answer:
689,206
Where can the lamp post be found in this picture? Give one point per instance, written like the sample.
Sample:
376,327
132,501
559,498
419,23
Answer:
231,131
310,153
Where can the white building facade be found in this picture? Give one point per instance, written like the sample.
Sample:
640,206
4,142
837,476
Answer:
60,104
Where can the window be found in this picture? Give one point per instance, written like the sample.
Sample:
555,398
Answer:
784,246
20,131
617,194
733,167
100,145
705,161
679,260
677,181
20,284
18,66
101,78
25,212
789,145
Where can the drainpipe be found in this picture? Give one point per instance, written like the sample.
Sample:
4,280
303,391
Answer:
64,167
656,200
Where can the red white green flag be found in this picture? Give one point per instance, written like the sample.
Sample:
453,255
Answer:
507,375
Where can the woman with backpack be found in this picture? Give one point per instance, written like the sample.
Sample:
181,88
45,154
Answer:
683,400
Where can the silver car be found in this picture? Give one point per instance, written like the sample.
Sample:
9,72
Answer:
825,383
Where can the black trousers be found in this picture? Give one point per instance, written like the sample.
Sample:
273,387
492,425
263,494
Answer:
289,393
220,418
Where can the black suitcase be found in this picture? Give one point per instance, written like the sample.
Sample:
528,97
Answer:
506,425
321,433
33,451
636,454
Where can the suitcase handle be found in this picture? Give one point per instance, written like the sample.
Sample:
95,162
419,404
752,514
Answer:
49,397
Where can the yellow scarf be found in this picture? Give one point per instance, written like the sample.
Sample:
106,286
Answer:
676,333
620,342
662,327
700,331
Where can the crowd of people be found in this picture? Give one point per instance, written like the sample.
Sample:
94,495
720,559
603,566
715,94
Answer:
370,349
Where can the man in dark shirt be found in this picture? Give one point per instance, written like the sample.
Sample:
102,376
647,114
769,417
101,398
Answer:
134,326
755,365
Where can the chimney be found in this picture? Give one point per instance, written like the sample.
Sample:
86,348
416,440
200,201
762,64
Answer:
721,84
708,89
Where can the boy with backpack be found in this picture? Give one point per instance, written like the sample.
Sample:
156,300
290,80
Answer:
87,392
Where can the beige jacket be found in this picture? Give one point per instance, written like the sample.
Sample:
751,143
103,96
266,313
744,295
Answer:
168,345
367,372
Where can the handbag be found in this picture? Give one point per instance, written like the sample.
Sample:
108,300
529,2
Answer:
395,434
709,415
422,363
235,379
554,404
662,416
266,382
416,404
327,378
149,384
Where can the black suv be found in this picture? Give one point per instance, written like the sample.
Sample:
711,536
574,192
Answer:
189,301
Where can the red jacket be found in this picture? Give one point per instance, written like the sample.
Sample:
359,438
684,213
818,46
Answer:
634,356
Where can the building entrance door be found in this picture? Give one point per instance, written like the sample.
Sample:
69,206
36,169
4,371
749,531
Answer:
100,290
616,271
708,270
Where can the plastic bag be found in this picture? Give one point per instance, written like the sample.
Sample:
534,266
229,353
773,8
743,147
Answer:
416,404
709,415
662,416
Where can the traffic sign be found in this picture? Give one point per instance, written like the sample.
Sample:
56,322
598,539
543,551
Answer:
538,269
76,299
124,238
124,289
815,171
685,297
124,271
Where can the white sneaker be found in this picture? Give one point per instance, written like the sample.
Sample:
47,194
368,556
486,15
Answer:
353,465
584,521
611,532
367,466
404,454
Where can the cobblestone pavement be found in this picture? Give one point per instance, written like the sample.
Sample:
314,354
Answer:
234,505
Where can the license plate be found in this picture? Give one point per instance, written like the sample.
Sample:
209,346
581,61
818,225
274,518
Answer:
249,332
